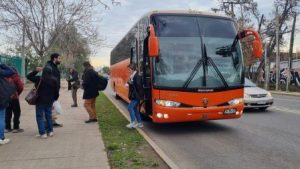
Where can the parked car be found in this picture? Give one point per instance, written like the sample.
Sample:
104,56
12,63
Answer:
256,97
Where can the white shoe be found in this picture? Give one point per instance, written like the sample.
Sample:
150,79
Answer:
140,125
51,134
131,125
4,141
44,136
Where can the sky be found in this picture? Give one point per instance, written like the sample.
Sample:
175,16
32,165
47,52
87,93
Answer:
114,23
118,20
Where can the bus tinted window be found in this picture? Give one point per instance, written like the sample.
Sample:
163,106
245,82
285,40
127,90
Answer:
173,26
187,26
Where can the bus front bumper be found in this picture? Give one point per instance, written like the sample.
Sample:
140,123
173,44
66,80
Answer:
163,114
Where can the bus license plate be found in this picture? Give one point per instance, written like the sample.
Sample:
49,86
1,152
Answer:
230,111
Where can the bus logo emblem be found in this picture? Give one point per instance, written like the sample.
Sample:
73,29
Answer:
205,102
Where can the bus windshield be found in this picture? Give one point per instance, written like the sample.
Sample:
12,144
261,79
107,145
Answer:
190,56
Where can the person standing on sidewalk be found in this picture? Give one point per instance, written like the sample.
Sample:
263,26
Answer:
90,93
135,94
74,85
53,65
14,105
48,92
7,90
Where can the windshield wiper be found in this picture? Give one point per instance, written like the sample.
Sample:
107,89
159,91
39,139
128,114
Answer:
216,69
193,73
205,61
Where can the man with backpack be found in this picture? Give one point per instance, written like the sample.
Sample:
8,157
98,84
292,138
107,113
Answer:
7,90
91,84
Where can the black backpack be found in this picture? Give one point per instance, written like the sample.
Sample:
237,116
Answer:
101,83
7,90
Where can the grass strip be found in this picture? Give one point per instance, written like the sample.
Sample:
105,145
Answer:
124,146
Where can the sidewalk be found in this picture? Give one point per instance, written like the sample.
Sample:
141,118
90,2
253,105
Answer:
285,93
74,146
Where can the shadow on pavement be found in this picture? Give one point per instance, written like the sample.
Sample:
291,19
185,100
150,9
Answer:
188,127
256,111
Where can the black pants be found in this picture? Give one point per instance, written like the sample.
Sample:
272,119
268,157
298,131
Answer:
74,95
13,108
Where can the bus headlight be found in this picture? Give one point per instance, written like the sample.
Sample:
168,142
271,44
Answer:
235,101
167,103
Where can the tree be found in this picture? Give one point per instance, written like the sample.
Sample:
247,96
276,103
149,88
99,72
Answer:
244,14
73,47
105,70
45,20
266,27
286,10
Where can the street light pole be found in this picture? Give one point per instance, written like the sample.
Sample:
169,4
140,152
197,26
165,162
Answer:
277,51
267,70
23,54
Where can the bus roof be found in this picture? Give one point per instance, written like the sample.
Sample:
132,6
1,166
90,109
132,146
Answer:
187,12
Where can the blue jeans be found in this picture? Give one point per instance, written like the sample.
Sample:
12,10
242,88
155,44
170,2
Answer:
2,123
133,111
44,112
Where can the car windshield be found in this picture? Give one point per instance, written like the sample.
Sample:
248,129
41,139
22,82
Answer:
181,41
249,83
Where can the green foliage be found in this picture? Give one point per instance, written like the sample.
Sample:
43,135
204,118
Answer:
73,47
105,69
122,144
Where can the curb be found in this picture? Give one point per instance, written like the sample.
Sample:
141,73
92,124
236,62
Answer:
286,93
156,148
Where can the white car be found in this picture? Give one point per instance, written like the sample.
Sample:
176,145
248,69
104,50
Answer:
256,97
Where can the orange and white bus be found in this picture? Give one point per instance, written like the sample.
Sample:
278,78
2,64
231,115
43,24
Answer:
191,63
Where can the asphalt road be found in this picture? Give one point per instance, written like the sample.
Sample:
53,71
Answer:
258,140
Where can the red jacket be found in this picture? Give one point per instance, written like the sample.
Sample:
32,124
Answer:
16,80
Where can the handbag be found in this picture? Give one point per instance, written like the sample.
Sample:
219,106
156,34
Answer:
32,96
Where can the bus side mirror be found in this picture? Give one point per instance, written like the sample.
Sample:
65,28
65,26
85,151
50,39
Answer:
152,43
257,44
257,49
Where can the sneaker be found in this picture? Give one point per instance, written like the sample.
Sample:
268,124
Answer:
44,136
4,141
57,125
18,130
140,125
8,130
51,134
131,125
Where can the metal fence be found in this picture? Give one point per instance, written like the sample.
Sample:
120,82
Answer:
14,61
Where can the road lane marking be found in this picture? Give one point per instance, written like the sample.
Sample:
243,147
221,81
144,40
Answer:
158,150
284,110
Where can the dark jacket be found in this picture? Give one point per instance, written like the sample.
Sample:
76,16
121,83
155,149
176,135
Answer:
89,84
7,88
55,71
135,88
74,80
6,71
48,90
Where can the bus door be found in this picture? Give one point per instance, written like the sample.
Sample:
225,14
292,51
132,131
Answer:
147,78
